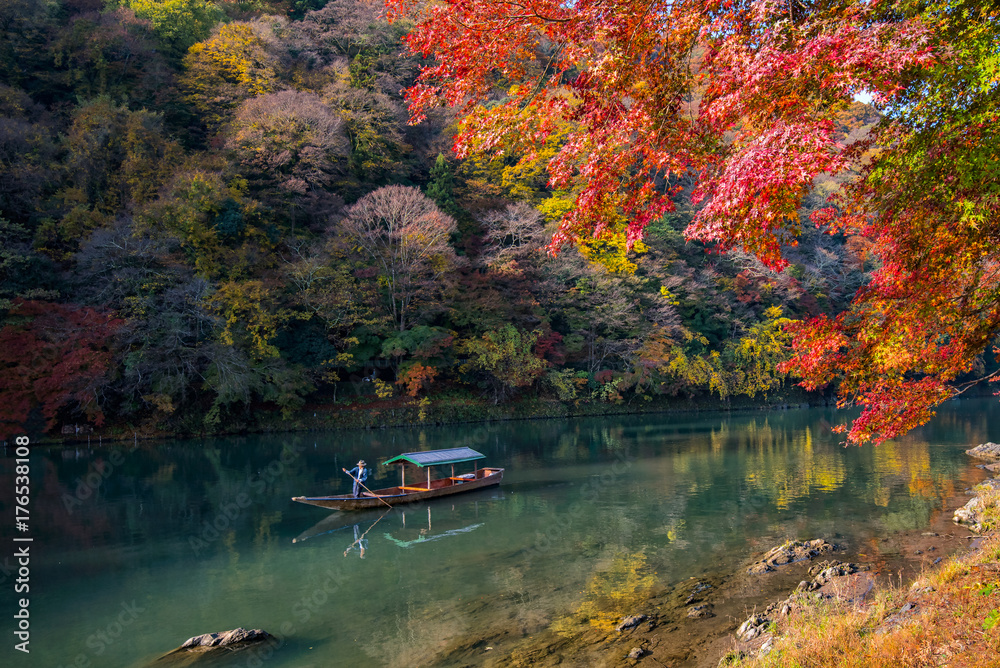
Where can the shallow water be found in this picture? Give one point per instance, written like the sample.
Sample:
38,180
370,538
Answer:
136,549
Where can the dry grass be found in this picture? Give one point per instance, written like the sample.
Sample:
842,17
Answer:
956,623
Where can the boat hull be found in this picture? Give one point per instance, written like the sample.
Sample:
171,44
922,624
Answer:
395,496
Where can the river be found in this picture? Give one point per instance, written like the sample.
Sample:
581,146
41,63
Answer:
136,547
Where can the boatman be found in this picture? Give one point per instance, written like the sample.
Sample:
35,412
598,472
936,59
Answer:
360,474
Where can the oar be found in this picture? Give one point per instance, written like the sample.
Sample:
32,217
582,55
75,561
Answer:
366,532
387,504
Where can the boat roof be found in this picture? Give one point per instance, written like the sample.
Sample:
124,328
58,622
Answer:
435,457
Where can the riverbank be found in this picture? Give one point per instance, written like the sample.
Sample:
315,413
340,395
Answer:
454,407
694,623
950,615
847,600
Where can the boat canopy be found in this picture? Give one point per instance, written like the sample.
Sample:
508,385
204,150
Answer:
436,457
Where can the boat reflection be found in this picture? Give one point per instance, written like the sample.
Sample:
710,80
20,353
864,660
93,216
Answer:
340,521
406,527
416,533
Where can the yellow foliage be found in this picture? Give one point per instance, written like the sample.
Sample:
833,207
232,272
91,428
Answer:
250,316
162,402
179,23
556,206
611,251
383,390
758,354
669,296
611,594
519,170
690,370
226,69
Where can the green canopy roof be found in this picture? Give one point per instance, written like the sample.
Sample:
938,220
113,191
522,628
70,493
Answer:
435,457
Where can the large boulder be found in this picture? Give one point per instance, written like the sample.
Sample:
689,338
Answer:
226,639
209,648
989,451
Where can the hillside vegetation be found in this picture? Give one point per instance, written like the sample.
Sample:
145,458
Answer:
208,208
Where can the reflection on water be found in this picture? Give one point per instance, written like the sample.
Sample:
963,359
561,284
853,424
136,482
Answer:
610,594
201,536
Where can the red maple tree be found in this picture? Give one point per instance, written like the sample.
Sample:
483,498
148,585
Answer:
742,97
52,356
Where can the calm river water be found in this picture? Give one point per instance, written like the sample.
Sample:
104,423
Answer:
136,549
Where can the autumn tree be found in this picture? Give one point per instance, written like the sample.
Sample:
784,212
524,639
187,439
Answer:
54,358
745,97
289,145
514,236
324,286
930,204
213,221
406,237
625,74
350,42
505,357
111,53
114,158
236,63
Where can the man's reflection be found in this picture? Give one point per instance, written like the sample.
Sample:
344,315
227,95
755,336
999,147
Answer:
360,542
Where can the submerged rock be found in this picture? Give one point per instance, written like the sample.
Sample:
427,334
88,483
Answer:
203,650
699,611
790,552
636,653
630,622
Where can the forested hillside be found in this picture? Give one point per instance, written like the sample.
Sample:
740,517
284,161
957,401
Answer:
211,212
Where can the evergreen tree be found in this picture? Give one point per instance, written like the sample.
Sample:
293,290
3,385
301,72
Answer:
441,188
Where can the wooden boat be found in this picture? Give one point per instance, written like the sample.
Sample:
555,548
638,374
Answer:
419,491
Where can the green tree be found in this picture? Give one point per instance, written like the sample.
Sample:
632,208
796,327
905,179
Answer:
178,23
441,187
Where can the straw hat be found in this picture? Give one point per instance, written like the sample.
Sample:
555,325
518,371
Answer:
362,463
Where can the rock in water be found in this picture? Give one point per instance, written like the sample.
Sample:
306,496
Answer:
699,611
630,622
990,451
790,552
226,639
